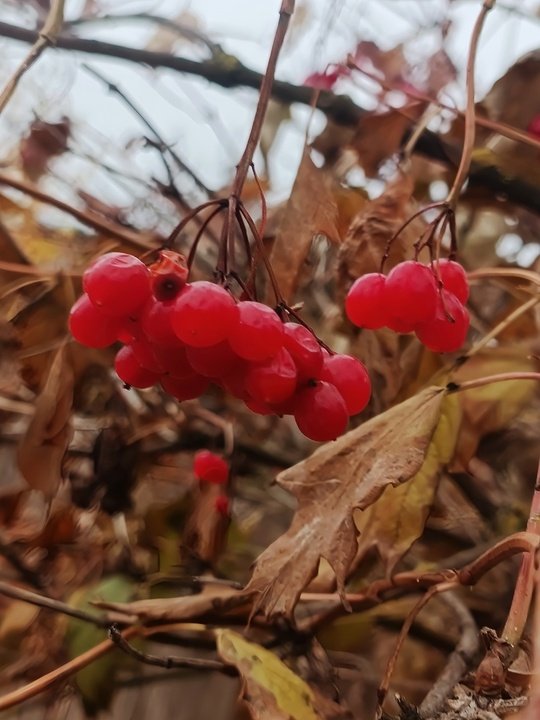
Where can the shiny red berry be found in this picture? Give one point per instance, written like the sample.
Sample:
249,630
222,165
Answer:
273,380
205,314
320,412
304,349
209,467
365,304
258,334
447,331
117,283
131,372
454,279
351,378
90,327
410,294
185,388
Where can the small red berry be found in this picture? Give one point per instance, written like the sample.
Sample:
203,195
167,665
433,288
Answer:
214,361
305,350
117,283
258,334
410,294
209,467
131,372
320,412
442,334
156,322
205,314
351,378
454,279
273,380
221,505
90,327
185,388
365,304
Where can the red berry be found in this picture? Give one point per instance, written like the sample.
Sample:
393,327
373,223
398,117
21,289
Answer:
205,314
221,505
258,334
320,412
117,283
365,302
185,388
304,349
400,325
156,322
441,334
130,330
174,360
235,382
454,279
273,380
131,372
146,356
351,378
89,327
210,467
214,361
534,126
410,294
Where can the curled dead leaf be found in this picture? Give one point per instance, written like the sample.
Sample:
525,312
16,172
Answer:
47,437
348,474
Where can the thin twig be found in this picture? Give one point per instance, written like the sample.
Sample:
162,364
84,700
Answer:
170,661
46,37
18,593
90,219
470,124
489,379
459,660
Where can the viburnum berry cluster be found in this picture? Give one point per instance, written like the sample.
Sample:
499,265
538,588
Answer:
410,299
185,336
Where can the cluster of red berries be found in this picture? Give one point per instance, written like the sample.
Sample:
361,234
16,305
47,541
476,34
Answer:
186,335
410,299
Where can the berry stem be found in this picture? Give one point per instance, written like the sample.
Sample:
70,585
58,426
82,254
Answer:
169,242
489,379
200,233
470,114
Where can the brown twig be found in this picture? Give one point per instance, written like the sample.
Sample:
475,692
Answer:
470,124
96,222
170,661
46,37
489,379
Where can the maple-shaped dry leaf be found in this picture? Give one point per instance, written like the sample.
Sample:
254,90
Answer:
47,437
272,691
311,210
398,517
340,477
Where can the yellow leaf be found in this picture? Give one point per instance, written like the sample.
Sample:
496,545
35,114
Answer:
397,518
271,690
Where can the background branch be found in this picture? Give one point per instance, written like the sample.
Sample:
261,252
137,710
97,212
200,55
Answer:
227,71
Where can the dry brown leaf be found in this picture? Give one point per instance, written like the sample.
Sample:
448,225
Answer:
47,437
311,210
398,517
43,142
379,135
515,97
272,691
375,224
206,529
175,609
348,474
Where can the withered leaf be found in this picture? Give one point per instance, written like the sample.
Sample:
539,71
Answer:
379,135
47,437
311,210
398,517
272,691
44,141
206,529
372,228
348,474
176,609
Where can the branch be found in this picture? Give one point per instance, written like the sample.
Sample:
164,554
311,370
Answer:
46,36
228,72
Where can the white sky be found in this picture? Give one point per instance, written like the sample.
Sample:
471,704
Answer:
209,125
